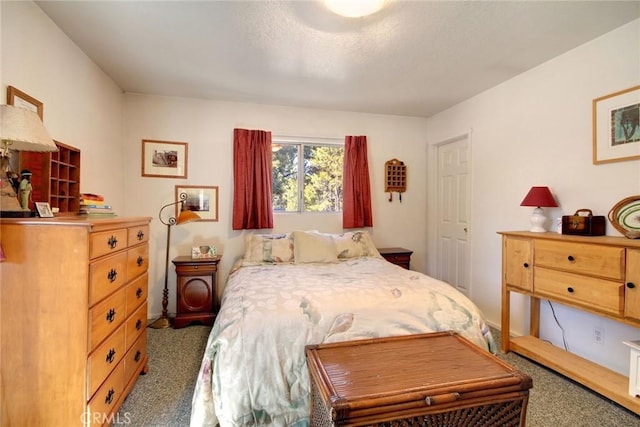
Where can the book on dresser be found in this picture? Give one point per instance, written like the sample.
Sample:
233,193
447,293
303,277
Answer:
75,291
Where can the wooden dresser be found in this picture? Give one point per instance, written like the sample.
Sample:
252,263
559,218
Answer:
600,275
74,314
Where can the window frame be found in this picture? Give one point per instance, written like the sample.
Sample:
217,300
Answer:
301,142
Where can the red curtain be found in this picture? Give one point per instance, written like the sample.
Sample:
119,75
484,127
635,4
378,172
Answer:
252,178
356,209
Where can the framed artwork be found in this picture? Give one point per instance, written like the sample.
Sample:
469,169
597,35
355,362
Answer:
164,159
18,98
202,200
44,210
616,126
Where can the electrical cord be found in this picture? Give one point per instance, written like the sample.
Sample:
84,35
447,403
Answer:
564,340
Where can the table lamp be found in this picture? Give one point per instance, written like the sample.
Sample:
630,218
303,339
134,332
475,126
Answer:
21,130
185,216
539,197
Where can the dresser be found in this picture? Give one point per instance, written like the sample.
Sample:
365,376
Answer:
74,313
196,290
599,275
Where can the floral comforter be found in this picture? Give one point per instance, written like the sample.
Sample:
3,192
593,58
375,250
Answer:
254,370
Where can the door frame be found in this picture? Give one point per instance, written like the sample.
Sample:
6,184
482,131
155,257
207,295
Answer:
433,266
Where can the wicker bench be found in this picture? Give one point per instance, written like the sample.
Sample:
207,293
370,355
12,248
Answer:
438,379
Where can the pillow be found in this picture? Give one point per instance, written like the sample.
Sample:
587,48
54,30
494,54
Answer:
355,244
313,247
271,248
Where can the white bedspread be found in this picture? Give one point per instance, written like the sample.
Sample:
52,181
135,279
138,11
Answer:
254,370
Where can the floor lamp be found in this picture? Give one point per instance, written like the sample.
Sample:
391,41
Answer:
185,216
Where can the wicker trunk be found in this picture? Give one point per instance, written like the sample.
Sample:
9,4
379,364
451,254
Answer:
438,379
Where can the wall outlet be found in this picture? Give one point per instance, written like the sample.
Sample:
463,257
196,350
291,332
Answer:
598,335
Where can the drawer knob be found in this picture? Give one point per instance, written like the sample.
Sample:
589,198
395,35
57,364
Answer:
525,265
140,261
112,242
112,275
111,355
138,292
570,289
137,356
571,258
138,324
140,235
109,397
111,315
630,285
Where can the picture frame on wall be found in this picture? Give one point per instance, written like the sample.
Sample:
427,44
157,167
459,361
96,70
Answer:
164,159
18,98
616,126
201,199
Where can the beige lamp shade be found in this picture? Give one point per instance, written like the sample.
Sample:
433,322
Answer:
22,130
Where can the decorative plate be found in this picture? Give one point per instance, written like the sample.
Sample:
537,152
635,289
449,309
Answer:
625,217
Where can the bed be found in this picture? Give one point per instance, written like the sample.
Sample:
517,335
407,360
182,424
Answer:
303,288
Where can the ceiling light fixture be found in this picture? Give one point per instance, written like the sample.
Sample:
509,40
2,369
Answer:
354,8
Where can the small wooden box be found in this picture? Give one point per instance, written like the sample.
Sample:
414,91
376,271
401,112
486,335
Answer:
438,379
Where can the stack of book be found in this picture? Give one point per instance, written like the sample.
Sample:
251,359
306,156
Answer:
94,204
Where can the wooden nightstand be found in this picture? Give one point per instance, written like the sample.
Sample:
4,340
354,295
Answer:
197,299
397,256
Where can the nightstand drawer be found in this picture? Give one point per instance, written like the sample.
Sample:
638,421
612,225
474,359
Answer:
397,256
598,294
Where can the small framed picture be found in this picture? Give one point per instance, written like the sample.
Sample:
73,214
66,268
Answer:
203,251
616,126
164,159
201,199
44,210
18,98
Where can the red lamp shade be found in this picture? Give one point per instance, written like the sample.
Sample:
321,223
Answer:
539,197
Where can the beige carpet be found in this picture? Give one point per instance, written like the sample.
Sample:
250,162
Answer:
162,398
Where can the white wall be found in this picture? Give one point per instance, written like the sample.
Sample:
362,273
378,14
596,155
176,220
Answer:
536,130
207,126
82,105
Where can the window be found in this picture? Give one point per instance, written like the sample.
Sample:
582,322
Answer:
307,174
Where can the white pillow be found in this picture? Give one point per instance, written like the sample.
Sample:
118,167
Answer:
268,248
313,247
355,244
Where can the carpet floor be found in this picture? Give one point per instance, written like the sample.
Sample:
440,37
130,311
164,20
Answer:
162,397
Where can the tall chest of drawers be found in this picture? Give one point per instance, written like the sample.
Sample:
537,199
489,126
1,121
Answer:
73,318
596,274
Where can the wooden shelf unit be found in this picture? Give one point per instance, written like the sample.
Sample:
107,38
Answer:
56,177
599,275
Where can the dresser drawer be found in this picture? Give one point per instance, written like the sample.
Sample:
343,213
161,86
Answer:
136,324
137,261
106,276
106,317
597,294
136,293
135,356
137,235
103,402
104,359
594,260
106,242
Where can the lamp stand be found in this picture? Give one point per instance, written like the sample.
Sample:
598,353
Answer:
537,221
163,322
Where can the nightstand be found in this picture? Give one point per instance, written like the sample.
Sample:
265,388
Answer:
397,256
197,299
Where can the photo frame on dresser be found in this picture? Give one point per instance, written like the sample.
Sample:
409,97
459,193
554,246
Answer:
616,126
201,199
164,159
18,98
44,210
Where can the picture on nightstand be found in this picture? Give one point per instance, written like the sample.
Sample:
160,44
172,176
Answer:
203,251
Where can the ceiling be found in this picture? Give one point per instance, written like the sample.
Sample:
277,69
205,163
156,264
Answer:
413,58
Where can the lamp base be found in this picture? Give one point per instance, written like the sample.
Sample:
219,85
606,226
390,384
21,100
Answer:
537,221
161,323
